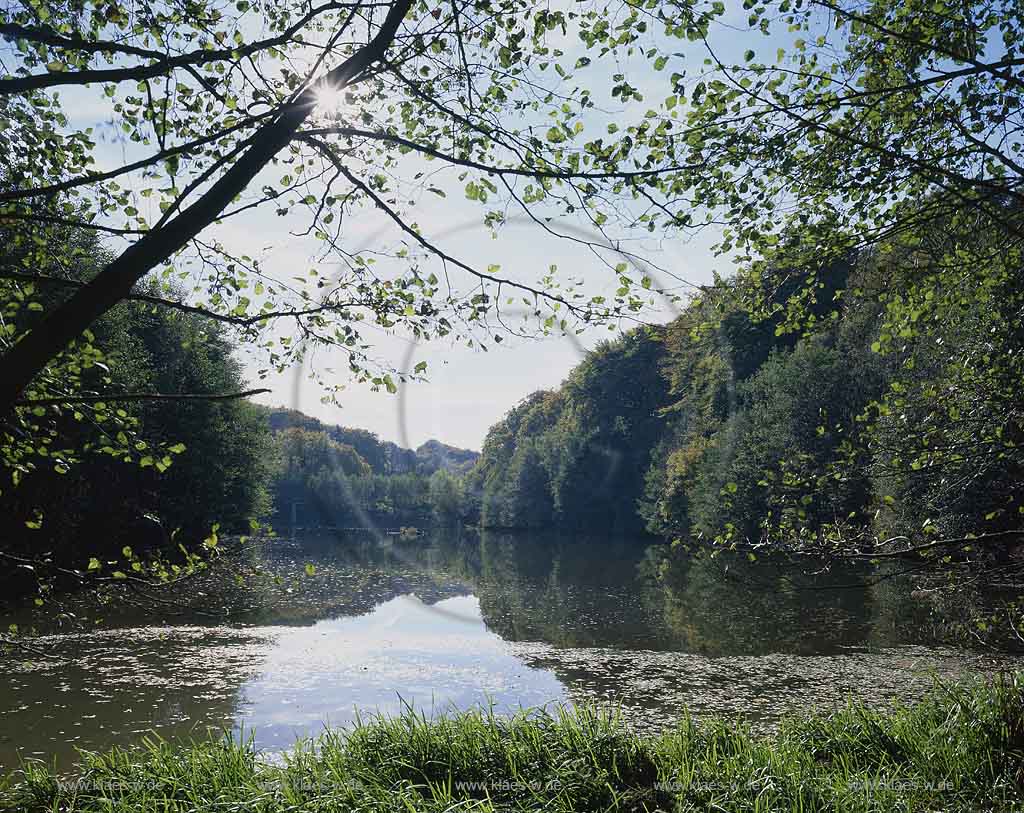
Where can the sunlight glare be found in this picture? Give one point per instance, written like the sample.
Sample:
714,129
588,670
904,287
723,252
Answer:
329,101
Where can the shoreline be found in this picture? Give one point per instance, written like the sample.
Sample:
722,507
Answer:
959,748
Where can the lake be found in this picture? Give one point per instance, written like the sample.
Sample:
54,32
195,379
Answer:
455,620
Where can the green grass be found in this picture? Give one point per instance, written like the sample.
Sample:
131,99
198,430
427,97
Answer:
961,748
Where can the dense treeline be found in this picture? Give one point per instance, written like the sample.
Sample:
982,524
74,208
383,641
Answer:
888,406
103,473
892,411
114,483
577,457
329,475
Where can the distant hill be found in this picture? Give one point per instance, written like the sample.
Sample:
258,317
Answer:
383,456
434,455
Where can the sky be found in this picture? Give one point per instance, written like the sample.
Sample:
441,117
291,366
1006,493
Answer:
467,390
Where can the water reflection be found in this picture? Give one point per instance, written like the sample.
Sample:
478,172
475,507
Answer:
405,653
457,621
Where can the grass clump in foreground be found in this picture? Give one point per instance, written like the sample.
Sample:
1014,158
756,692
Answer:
961,748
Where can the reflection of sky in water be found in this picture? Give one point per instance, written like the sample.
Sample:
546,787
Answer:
403,653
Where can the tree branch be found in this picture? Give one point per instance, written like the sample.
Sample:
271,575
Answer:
173,304
422,241
938,543
164,64
1009,78
376,135
66,322
138,396
187,148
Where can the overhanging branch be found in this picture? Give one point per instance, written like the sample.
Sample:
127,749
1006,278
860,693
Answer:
162,64
206,313
66,322
138,396
537,172
328,153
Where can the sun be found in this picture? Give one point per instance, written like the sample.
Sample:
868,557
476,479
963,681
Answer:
329,101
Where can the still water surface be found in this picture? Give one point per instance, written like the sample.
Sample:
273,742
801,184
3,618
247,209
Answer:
456,621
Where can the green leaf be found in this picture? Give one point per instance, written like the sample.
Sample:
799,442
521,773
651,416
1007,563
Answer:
555,135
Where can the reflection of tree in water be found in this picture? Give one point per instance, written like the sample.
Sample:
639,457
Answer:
726,604
611,618
589,592
924,610
133,674
271,581
634,624
349,575
576,591
565,591
621,592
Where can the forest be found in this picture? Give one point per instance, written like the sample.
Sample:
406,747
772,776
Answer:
849,384
341,477
873,421
856,424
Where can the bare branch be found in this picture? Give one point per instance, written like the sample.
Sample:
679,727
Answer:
938,543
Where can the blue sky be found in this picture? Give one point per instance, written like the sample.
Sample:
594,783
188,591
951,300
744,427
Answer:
468,390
